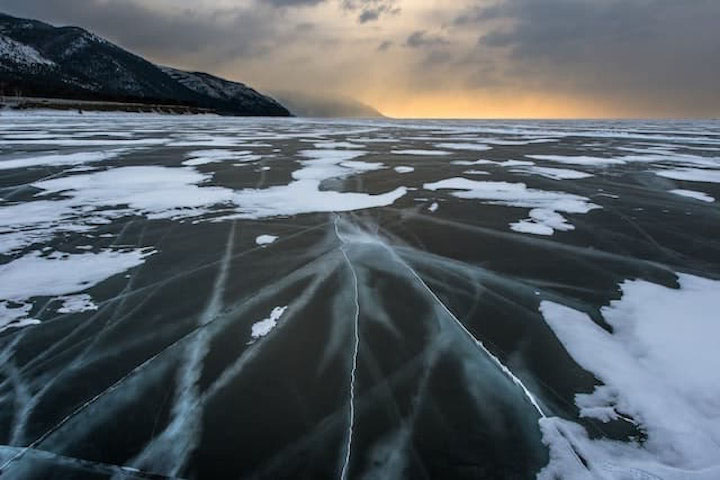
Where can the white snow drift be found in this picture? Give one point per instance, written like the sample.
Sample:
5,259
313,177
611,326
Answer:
659,368
545,205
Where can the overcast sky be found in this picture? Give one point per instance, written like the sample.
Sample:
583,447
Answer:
433,58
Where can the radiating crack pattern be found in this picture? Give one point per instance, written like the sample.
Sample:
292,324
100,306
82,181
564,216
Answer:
375,299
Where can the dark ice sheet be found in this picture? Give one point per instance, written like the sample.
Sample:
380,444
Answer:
412,346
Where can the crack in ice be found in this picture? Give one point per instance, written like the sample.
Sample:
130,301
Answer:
170,450
530,397
356,348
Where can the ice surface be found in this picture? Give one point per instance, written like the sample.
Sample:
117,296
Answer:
554,173
60,159
579,160
384,311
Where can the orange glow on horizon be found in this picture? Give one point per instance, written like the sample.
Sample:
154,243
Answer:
467,105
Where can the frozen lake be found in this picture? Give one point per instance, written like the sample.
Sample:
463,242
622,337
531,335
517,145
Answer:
206,297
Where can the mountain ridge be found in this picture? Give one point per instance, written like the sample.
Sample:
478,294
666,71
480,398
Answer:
40,60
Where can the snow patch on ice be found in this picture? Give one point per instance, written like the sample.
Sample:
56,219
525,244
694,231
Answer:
265,239
36,276
203,157
304,194
156,192
545,205
76,303
515,163
691,175
420,152
98,198
704,197
475,147
264,327
578,160
59,275
201,140
362,166
15,315
404,169
659,367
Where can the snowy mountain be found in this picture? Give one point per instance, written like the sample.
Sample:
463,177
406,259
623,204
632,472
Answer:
224,91
38,59
16,53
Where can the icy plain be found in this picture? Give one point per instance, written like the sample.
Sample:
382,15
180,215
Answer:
207,297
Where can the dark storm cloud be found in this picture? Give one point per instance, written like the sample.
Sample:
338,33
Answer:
368,16
649,48
371,10
421,39
292,3
220,34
